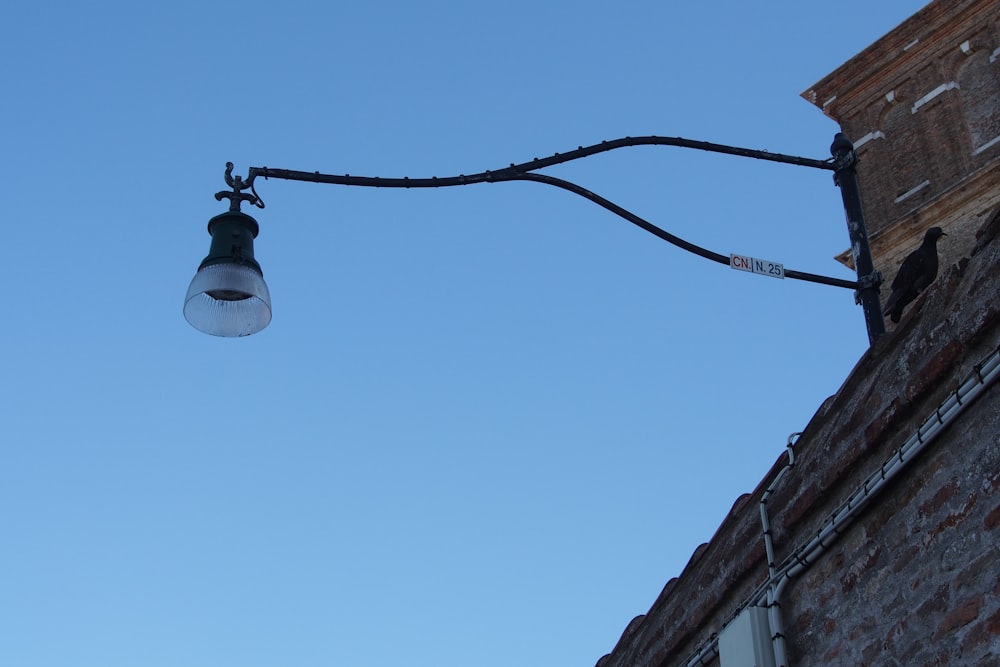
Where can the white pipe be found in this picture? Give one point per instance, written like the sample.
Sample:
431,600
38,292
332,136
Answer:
773,584
976,383
769,593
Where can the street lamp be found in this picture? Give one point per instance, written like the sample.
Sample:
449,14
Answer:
228,296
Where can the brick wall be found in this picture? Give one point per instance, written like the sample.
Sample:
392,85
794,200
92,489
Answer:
913,576
914,580
917,582
923,108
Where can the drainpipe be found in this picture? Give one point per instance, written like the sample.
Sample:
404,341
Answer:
774,585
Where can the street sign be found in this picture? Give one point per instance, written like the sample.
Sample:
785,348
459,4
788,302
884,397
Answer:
754,265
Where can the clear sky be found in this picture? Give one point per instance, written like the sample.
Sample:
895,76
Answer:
487,424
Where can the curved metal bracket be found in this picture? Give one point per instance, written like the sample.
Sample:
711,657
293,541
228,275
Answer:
871,280
524,172
237,196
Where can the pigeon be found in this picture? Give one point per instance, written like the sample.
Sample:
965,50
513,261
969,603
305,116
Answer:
916,272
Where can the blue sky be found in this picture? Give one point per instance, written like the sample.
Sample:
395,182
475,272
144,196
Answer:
486,424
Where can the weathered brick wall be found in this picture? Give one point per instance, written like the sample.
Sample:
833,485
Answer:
914,580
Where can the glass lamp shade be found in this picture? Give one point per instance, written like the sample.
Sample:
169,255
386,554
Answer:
229,300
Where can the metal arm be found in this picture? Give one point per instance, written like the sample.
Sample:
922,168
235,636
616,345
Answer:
514,170
524,172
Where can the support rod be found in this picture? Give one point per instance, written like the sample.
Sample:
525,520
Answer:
846,177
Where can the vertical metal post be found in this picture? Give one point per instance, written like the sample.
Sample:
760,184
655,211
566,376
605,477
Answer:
869,279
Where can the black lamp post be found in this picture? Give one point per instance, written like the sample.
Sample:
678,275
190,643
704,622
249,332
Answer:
228,296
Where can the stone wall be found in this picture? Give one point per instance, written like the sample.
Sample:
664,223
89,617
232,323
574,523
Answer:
911,575
914,580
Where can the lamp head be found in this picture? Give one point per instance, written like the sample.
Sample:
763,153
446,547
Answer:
228,295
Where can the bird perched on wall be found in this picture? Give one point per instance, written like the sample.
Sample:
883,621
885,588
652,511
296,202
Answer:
916,272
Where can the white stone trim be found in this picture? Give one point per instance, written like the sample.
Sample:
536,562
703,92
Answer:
995,55
829,101
911,44
912,191
943,88
988,144
877,134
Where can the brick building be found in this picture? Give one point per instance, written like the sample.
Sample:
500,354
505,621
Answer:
875,539
922,106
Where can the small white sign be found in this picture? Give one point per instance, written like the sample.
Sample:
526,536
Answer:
754,265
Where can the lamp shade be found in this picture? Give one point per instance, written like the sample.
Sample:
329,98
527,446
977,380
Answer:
228,295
